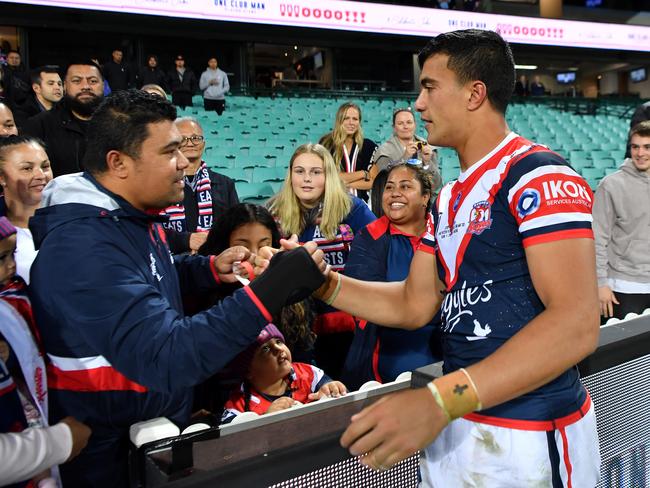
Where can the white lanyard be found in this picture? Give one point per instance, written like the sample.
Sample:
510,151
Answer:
350,166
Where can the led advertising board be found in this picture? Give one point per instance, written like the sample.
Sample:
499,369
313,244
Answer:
379,18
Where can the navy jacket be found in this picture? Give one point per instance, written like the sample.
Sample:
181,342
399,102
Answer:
381,252
107,295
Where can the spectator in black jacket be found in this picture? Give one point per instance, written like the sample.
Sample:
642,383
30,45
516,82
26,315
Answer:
116,72
182,83
47,90
63,129
151,74
207,194
15,80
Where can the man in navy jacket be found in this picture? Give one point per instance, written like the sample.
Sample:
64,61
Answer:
107,292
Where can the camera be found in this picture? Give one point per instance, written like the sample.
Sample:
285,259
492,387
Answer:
419,145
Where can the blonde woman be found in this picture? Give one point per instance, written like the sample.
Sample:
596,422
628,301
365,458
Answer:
315,205
351,151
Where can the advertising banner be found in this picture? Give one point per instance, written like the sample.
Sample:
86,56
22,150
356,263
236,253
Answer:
379,18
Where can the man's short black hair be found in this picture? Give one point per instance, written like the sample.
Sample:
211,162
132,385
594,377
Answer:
120,123
83,62
13,51
35,75
477,55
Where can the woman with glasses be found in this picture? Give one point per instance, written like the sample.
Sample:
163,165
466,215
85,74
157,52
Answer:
314,205
351,151
383,252
207,194
404,145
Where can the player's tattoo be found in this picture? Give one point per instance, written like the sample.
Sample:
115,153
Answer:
459,389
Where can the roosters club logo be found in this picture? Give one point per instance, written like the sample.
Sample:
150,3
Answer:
479,217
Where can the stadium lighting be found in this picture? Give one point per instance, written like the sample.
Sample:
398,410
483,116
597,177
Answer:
526,66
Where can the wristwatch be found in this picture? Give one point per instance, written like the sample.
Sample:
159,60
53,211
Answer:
366,175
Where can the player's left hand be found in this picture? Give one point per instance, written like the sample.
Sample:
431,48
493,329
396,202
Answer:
333,389
394,428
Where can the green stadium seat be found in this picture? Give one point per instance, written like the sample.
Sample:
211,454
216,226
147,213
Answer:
253,191
589,173
579,155
259,162
610,146
593,182
604,162
269,174
276,185
236,174
618,155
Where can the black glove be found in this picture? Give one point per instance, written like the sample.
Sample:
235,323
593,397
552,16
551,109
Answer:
291,277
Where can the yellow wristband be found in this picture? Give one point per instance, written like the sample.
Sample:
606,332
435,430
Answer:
457,393
436,396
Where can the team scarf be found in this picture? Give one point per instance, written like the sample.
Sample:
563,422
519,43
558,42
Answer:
17,325
202,190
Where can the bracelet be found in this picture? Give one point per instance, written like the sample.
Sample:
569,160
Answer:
329,300
249,269
456,394
471,382
328,292
215,271
366,175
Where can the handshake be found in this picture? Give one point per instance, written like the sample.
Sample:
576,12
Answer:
238,263
279,277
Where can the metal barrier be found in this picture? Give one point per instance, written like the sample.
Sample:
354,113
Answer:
299,447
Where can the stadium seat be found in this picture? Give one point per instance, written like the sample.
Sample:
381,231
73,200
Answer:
253,192
236,174
592,173
604,162
269,174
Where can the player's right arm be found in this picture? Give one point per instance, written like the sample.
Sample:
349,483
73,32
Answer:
407,304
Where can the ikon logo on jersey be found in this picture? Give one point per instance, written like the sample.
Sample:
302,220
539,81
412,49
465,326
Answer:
479,217
551,195
565,189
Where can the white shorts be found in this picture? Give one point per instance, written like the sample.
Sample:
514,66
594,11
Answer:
475,452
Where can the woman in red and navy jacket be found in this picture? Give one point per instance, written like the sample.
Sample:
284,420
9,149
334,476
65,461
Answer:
383,252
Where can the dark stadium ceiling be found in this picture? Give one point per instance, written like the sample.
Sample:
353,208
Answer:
586,61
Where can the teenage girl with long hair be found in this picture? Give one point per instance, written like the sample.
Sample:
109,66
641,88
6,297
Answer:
351,151
314,204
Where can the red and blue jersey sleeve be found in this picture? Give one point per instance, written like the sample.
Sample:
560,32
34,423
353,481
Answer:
549,200
428,242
